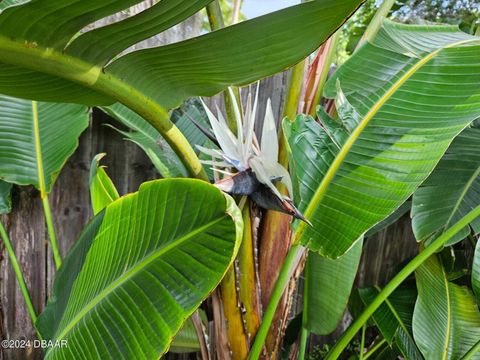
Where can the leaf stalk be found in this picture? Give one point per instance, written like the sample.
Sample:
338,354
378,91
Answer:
51,232
303,343
374,349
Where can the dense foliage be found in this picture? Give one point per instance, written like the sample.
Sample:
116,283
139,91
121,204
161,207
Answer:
393,131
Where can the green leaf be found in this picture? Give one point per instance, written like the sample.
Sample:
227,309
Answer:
37,62
310,154
5,197
103,44
167,75
446,320
186,340
37,139
236,55
476,272
394,318
140,269
328,286
328,282
387,353
102,189
149,139
401,92
6,3
184,117
451,191
44,27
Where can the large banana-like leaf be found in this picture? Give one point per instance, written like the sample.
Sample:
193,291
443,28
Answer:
394,318
140,269
37,139
103,193
405,97
328,284
451,191
58,66
446,320
5,197
47,61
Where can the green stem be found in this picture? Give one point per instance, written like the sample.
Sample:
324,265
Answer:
215,16
303,343
474,350
55,63
397,280
18,274
362,341
291,261
304,334
376,22
374,349
51,232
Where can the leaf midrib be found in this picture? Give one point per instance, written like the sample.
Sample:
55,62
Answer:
333,169
449,316
130,273
38,149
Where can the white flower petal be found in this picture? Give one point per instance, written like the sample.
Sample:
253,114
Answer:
221,164
237,114
250,124
224,136
262,175
269,145
211,152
